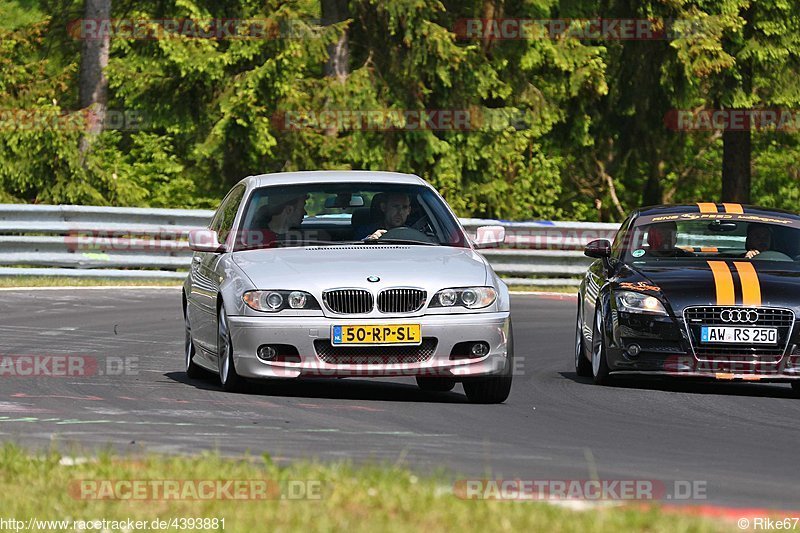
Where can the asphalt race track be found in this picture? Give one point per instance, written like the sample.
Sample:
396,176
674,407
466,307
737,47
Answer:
741,441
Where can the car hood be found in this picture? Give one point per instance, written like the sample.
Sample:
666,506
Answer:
324,267
695,284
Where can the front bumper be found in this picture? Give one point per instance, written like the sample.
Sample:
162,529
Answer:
249,333
666,350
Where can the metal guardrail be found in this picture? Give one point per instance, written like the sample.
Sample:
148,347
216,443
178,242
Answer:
139,243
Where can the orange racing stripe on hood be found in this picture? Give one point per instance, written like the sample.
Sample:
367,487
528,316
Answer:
723,279
733,208
751,286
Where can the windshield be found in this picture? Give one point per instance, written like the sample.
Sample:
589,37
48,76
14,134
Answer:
656,239
342,213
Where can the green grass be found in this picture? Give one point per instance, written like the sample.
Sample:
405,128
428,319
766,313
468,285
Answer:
353,499
67,281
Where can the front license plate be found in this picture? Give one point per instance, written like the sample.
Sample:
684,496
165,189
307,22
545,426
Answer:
384,334
738,335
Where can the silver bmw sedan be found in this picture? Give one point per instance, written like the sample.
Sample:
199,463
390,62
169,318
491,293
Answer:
346,273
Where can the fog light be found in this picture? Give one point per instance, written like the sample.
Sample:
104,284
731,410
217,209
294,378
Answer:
267,352
479,349
634,350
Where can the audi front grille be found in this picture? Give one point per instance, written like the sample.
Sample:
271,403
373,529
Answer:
766,317
401,300
348,301
783,319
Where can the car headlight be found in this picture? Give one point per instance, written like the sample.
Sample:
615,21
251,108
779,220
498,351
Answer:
469,297
274,301
636,302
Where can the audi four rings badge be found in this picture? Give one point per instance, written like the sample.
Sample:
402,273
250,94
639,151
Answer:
739,316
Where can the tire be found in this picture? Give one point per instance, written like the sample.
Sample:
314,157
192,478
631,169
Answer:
599,361
796,388
494,389
230,380
192,369
431,384
583,367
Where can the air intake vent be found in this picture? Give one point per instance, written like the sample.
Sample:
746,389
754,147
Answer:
348,301
375,355
401,300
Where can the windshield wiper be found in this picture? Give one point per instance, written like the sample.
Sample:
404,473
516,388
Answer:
287,244
312,242
400,241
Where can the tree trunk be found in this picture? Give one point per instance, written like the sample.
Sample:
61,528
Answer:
736,166
492,9
93,85
653,193
338,63
736,143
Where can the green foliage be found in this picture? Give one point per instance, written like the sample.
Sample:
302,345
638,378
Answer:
558,128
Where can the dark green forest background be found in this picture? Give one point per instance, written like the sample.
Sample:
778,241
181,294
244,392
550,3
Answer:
580,134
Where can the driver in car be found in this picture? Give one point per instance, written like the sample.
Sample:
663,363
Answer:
395,208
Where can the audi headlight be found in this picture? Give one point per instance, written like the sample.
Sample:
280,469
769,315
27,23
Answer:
636,302
274,301
469,297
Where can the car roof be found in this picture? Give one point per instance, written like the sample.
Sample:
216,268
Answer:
711,207
332,176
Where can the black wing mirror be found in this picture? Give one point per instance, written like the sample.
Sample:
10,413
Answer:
599,249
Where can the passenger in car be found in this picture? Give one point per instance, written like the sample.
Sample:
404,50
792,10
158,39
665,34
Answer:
759,239
277,221
662,238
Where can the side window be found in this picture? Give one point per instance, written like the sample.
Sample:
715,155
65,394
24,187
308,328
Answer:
621,239
226,213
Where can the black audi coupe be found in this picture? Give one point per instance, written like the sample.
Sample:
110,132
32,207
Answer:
704,290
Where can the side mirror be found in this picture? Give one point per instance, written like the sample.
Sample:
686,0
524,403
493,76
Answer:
599,249
490,236
205,240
